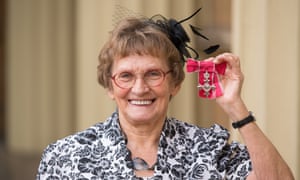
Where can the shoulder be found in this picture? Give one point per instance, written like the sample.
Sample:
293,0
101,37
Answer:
211,139
88,138
74,152
211,145
73,142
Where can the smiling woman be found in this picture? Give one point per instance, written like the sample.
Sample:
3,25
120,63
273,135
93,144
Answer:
141,68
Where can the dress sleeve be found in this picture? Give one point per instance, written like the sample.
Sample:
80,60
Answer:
232,160
47,163
54,161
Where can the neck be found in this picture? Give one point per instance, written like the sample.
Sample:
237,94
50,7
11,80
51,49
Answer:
142,141
142,138
146,133
142,135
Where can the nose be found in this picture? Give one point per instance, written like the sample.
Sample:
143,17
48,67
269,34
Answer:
140,86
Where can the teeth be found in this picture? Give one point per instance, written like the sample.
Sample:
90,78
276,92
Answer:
143,102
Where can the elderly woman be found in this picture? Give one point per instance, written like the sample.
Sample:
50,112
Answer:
142,69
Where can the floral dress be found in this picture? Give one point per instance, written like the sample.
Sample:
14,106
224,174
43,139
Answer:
185,152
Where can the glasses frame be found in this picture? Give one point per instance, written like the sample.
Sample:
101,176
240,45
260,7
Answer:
163,78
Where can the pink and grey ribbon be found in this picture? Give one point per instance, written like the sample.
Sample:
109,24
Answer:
208,77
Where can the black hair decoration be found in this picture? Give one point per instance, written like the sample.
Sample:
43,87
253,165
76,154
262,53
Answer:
178,35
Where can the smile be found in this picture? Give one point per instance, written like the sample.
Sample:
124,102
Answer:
141,102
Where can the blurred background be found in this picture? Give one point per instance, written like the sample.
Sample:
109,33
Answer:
48,59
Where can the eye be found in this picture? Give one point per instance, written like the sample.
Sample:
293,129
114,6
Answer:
125,76
154,74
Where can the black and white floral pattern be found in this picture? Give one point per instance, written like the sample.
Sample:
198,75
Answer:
185,152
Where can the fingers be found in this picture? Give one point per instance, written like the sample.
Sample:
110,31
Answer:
233,62
233,69
229,58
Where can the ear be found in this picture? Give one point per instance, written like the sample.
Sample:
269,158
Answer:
110,93
175,90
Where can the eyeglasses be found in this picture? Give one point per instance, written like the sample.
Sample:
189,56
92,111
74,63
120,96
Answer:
127,79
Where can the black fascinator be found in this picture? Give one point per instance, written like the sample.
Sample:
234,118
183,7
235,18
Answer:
178,35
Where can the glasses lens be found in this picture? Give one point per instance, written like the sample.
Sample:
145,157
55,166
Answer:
127,79
154,77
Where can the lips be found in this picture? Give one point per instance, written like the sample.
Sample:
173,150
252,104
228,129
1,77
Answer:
142,102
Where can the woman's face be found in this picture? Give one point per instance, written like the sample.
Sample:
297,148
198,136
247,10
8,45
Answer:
142,103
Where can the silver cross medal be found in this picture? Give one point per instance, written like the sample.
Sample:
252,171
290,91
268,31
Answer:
206,87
